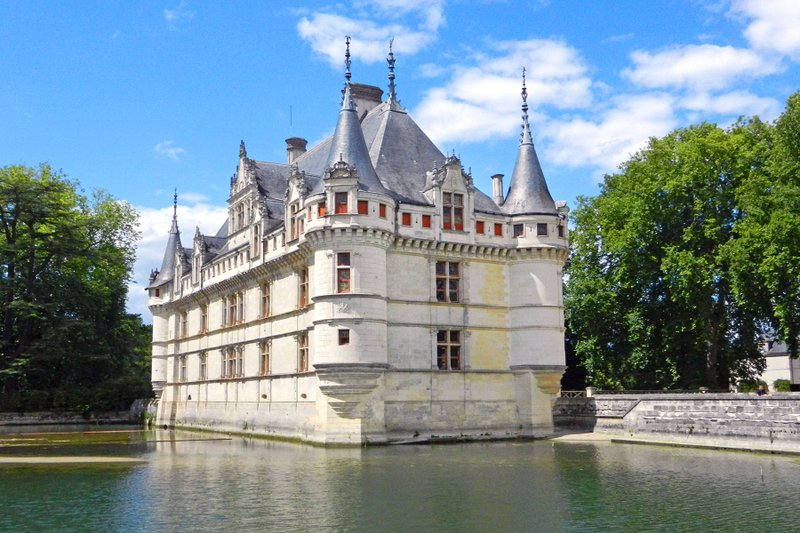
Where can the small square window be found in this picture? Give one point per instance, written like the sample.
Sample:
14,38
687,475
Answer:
479,227
426,221
406,219
519,230
541,229
344,337
498,230
363,207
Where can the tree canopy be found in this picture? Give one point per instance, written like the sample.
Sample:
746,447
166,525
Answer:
65,260
689,256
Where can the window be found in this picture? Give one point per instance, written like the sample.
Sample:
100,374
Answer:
498,230
448,349
541,229
239,217
240,307
453,211
265,296
560,230
321,212
231,310
263,358
344,337
182,368
426,221
340,202
382,210
302,352
479,227
232,362
184,325
203,318
519,230
363,207
293,222
203,365
343,272
406,219
256,245
447,281
302,296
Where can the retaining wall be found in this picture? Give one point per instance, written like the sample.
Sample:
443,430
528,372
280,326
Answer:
773,418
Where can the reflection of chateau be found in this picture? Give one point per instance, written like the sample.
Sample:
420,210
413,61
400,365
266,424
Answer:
366,291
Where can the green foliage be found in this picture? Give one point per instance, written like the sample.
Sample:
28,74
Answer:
65,260
782,385
687,255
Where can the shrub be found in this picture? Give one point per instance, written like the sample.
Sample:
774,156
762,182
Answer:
782,385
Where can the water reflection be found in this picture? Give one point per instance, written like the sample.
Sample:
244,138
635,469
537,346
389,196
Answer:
254,485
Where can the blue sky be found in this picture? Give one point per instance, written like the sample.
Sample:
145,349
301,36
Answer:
140,98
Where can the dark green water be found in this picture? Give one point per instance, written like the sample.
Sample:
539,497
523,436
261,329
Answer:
244,485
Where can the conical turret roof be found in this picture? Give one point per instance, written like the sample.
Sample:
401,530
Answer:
528,193
169,263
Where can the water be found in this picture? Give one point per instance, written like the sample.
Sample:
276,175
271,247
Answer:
244,485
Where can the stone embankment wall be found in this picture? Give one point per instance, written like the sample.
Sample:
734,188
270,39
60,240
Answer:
65,418
773,418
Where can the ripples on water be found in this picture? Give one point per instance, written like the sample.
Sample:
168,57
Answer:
244,485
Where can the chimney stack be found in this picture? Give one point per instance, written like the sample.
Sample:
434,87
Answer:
497,188
295,147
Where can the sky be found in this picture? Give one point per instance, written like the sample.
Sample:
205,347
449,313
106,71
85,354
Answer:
143,98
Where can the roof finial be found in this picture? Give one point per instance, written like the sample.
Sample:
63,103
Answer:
175,204
347,59
390,59
526,130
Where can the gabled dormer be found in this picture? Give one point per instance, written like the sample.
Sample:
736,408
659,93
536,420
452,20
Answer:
451,190
244,203
296,193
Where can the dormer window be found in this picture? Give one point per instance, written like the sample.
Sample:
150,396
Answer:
453,211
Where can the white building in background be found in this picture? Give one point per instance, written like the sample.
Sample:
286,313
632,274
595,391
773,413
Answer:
364,291
781,366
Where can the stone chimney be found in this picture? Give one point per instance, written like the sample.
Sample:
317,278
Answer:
367,97
497,188
295,147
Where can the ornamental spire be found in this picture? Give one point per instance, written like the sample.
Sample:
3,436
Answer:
174,228
390,59
526,128
347,60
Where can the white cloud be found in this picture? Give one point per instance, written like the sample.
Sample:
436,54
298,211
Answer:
369,39
697,67
167,149
154,225
735,104
482,101
177,15
616,134
775,25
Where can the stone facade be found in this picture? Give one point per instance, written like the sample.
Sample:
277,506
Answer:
366,292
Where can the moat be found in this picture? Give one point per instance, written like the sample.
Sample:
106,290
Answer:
207,482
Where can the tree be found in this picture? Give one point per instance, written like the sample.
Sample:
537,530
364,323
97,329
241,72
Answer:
765,256
649,293
64,263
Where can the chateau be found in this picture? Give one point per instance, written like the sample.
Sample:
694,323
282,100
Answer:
364,291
